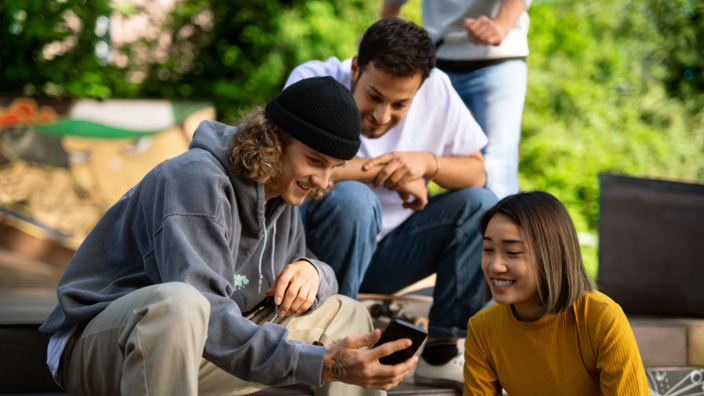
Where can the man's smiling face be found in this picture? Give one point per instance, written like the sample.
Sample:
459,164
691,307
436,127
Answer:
383,99
302,169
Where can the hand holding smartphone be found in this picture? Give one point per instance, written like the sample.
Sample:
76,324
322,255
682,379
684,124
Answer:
398,329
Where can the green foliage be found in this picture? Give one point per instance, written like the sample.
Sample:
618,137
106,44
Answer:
48,49
236,53
606,94
243,58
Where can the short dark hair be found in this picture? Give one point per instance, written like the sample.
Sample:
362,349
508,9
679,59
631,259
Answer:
552,241
397,47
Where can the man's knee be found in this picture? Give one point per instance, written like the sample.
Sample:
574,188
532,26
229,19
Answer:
474,199
352,313
178,301
482,197
356,196
348,305
350,201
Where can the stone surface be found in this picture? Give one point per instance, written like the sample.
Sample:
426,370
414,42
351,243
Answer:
661,345
666,341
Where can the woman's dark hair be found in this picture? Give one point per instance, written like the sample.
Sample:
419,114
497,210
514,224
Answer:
551,240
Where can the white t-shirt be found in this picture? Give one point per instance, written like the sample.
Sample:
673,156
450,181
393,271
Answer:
437,122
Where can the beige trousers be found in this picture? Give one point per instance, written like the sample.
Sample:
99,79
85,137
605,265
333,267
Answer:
150,342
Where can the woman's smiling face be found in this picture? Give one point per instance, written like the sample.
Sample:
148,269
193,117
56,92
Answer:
508,268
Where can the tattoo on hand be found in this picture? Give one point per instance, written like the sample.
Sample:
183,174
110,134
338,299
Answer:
339,368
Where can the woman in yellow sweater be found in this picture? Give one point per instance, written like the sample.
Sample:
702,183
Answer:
550,332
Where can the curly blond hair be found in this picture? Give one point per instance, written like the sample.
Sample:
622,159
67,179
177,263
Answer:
257,147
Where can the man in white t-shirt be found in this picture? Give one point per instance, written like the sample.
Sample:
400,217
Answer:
379,229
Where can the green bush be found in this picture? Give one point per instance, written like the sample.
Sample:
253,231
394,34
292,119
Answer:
48,48
235,53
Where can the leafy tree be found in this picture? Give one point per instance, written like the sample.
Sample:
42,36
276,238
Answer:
235,53
48,48
239,53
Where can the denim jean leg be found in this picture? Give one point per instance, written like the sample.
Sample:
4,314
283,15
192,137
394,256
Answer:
496,95
341,230
444,239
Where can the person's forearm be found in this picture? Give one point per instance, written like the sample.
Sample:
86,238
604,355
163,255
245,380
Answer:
390,9
353,171
454,173
461,172
509,13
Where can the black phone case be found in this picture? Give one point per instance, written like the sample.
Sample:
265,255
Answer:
397,329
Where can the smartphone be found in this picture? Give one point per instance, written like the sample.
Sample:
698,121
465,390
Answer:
397,329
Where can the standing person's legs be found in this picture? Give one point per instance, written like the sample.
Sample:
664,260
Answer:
337,317
341,230
147,342
496,95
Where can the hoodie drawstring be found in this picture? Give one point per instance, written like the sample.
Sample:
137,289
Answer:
273,270
273,257
261,255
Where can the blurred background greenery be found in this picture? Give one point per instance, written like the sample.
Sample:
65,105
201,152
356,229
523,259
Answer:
614,85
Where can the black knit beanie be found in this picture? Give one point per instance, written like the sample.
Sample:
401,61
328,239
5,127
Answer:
321,113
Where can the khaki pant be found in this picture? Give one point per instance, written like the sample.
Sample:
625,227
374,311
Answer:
150,342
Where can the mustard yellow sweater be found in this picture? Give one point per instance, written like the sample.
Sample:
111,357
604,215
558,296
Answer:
588,350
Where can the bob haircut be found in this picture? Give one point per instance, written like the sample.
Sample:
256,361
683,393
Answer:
257,147
551,240
397,47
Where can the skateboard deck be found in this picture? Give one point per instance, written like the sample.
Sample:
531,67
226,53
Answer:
412,308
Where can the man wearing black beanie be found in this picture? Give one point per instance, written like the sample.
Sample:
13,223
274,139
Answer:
196,282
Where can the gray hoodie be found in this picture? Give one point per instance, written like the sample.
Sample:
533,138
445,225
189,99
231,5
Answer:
193,220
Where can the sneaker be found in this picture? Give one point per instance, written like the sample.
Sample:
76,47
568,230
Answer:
450,374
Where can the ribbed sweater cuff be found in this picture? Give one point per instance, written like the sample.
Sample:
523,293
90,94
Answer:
310,364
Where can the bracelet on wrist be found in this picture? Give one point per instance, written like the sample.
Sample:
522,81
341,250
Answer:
437,167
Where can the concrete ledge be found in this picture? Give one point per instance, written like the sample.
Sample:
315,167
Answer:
669,342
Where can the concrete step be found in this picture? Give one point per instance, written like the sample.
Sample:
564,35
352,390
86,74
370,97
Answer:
669,342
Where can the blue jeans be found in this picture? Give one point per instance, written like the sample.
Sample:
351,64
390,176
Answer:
496,95
443,238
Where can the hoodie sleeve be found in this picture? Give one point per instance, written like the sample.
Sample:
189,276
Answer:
328,282
196,249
